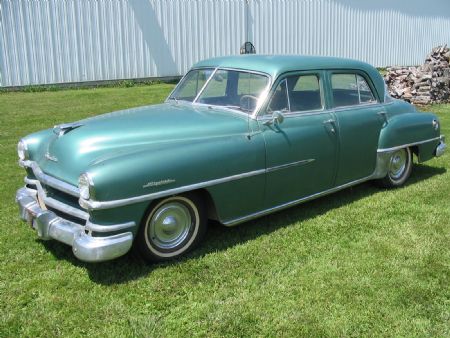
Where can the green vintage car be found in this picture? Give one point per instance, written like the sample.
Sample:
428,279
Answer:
238,138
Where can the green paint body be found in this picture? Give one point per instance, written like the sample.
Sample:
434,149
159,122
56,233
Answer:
129,153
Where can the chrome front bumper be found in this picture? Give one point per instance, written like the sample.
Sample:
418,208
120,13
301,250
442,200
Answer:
85,247
440,149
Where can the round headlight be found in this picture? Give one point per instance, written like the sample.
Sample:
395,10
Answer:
85,185
22,150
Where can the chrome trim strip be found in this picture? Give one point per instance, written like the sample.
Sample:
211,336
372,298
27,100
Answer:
108,228
379,172
49,180
53,203
297,114
97,205
292,203
407,145
356,106
288,165
90,204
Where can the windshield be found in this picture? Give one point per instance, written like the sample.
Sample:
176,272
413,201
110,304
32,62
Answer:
191,84
239,90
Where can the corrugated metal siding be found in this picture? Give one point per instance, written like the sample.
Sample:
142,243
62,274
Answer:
57,41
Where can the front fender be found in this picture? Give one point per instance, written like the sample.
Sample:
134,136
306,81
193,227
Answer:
175,166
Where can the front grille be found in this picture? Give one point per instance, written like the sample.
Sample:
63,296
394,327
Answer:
58,196
61,196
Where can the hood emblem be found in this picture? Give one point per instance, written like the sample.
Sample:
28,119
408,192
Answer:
158,183
62,129
50,157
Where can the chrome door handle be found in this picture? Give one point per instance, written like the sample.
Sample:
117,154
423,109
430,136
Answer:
383,115
330,122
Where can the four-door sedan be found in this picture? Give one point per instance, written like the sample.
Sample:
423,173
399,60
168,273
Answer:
238,138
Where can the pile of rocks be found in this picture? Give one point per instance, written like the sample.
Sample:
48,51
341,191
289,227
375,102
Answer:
428,83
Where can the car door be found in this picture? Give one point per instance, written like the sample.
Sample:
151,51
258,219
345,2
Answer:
360,118
301,149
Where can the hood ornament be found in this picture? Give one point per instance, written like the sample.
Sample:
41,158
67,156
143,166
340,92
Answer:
64,128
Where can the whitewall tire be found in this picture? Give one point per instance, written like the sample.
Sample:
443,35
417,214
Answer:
171,227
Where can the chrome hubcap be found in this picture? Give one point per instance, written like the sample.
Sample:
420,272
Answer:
398,164
170,225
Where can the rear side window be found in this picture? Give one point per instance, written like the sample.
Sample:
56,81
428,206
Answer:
350,90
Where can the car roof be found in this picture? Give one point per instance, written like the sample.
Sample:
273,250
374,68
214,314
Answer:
275,65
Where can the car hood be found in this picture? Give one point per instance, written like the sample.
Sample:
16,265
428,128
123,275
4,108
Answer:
96,140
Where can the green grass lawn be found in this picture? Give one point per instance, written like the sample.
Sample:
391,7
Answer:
361,262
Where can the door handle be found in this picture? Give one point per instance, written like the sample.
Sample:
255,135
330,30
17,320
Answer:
383,115
331,123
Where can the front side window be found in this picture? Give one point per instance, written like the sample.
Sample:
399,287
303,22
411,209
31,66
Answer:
191,84
296,93
279,100
304,93
350,90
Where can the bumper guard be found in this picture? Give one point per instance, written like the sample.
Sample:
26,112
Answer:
440,149
50,226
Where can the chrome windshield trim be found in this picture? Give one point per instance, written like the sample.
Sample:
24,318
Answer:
50,180
407,145
204,85
53,203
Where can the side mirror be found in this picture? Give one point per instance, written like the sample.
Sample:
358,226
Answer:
277,118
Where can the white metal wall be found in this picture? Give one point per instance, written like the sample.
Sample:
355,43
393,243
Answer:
58,41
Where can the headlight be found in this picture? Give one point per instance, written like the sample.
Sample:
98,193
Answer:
22,150
85,186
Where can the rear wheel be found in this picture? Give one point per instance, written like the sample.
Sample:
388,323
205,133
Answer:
399,170
172,227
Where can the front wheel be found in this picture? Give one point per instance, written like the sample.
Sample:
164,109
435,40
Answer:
171,227
399,170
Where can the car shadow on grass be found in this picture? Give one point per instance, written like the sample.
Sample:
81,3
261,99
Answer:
218,238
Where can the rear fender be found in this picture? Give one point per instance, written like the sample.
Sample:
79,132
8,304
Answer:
415,130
